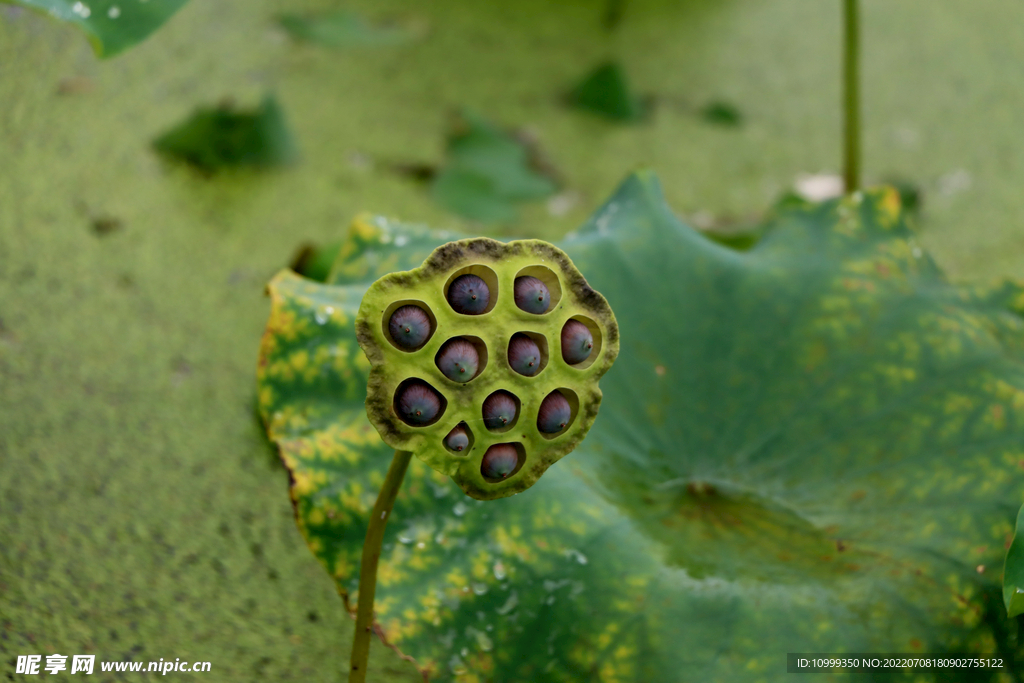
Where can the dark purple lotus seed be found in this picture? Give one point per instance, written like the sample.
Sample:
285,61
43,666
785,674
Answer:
499,461
499,410
532,295
458,360
409,326
469,294
457,439
419,403
524,355
555,413
577,342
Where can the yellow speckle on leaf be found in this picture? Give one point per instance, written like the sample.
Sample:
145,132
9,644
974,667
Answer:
299,360
388,574
888,207
306,481
266,397
481,565
282,322
456,579
363,228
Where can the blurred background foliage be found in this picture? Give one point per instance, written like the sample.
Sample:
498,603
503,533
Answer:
142,513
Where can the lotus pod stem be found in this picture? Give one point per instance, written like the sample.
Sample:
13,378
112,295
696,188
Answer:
368,569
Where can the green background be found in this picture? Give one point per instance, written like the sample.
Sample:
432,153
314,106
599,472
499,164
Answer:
141,512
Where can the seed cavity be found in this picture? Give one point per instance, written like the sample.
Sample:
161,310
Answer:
524,355
417,403
499,462
458,360
500,410
531,295
457,439
469,294
409,327
554,414
577,342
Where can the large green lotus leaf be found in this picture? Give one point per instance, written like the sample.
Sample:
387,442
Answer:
112,25
814,445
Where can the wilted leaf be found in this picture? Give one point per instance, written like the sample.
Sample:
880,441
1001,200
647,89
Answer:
488,173
341,29
605,91
111,25
810,446
219,137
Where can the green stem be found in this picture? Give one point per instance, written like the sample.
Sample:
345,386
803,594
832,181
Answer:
851,96
368,568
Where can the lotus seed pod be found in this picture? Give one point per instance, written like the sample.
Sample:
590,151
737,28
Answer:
577,342
489,406
458,360
555,413
409,327
532,295
499,461
418,403
499,410
457,439
469,294
524,355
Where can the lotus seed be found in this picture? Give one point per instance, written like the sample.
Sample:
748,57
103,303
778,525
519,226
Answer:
458,360
469,294
531,295
499,410
499,461
409,327
418,403
555,413
577,342
457,439
524,355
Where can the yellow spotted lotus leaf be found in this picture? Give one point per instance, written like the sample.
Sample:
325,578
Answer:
813,445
